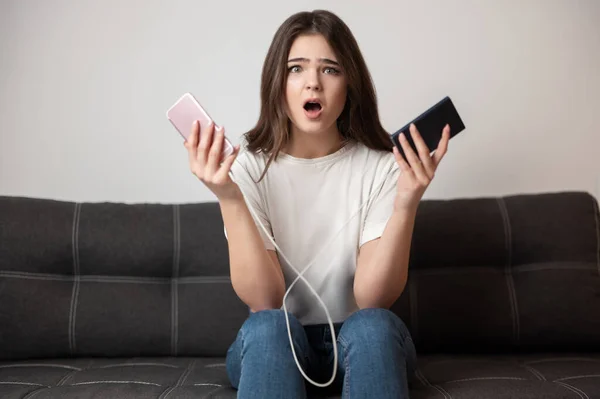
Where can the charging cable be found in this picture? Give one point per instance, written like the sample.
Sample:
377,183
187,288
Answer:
301,277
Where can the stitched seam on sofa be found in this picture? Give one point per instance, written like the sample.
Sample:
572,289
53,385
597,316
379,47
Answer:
37,276
576,377
175,275
551,266
116,279
412,298
464,360
597,217
426,382
578,391
182,378
35,392
210,366
444,391
563,359
22,383
125,279
115,382
554,265
62,366
533,371
209,394
510,281
67,377
71,374
456,270
204,280
76,274
137,364
187,373
485,379
166,392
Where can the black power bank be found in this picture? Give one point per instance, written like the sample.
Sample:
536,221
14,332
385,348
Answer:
430,125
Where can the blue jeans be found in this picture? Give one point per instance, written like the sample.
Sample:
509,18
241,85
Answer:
376,357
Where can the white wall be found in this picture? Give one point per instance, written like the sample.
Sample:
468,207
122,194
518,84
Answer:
85,86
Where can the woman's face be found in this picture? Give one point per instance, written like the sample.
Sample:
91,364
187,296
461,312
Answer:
316,85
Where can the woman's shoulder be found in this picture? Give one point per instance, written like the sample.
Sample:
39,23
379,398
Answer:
249,161
374,157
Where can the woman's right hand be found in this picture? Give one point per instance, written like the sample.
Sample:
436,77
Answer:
205,156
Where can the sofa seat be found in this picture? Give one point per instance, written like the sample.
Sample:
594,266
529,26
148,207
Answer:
549,376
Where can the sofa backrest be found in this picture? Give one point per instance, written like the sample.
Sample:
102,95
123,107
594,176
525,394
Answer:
508,274
108,279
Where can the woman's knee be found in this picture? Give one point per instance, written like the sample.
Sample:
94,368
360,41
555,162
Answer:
374,325
373,332
270,326
263,344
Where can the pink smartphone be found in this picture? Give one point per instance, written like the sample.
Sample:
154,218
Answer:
185,111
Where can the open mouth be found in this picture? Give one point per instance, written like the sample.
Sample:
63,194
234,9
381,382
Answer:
313,108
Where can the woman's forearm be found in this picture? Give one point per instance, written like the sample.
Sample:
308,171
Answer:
381,279
256,278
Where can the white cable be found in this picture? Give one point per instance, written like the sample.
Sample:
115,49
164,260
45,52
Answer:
312,290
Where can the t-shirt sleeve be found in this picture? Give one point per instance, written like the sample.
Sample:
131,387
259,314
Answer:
381,206
253,198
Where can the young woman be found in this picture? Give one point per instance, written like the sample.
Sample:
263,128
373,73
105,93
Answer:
317,153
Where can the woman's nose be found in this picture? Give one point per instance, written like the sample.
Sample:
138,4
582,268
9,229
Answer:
312,81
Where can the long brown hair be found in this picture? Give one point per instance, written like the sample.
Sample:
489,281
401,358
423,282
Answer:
359,119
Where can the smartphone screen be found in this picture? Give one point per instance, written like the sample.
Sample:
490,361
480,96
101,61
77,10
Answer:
430,125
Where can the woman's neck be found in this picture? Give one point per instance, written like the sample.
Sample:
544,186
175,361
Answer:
313,145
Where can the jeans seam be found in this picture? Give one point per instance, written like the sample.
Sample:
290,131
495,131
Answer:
242,345
242,341
346,387
296,346
410,357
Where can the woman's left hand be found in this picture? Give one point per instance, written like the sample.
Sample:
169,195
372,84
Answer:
416,176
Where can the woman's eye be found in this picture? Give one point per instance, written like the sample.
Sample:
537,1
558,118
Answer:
333,71
294,68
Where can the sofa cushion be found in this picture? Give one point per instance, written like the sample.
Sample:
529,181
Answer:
549,376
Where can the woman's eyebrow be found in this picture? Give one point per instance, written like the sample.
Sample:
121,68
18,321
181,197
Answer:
322,60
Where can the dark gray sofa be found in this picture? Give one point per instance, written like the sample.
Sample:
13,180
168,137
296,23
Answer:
109,300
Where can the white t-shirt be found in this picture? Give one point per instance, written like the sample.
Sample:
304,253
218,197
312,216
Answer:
305,204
